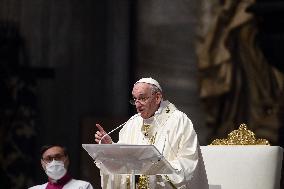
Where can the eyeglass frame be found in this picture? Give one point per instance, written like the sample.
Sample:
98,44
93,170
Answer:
141,100
56,157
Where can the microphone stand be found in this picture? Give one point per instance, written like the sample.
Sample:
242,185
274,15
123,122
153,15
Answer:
117,127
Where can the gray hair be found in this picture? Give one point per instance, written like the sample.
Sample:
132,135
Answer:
155,89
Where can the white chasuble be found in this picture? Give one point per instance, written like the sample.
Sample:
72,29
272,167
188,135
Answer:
172,132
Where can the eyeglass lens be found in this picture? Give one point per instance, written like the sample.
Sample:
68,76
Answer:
57,157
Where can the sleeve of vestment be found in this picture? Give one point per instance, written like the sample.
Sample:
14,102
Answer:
183,145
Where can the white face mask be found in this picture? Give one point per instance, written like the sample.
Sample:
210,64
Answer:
55,169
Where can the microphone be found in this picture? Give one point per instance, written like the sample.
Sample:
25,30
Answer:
118,127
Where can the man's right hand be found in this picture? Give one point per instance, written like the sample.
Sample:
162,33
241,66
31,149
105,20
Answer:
101,137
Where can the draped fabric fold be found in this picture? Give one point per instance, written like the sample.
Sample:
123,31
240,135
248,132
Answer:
237,85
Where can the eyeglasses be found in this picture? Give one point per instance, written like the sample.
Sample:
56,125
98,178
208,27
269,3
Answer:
141,100
56,157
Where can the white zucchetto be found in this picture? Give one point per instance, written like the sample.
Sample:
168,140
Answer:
149,80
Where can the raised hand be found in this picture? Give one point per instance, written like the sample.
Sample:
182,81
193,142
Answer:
101,136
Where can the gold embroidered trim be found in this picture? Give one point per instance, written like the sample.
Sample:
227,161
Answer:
145,130
128,182
143,182
170,182
241,136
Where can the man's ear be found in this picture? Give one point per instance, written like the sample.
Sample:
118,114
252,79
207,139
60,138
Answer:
67,162
158,98
42,164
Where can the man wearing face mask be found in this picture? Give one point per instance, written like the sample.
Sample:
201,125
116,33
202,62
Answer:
55,162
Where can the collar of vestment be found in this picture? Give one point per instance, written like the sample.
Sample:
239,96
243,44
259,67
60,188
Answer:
153,124
59,183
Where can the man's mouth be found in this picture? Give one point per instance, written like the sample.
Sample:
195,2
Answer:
140,110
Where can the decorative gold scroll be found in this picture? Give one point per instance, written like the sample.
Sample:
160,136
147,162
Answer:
241,136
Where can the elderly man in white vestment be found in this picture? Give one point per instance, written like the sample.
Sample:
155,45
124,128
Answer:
170,130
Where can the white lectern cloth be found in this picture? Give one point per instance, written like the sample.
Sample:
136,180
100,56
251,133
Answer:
243,167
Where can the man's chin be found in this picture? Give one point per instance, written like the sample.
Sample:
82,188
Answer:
144,116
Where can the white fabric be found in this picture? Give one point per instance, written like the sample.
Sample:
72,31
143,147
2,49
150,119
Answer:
72,184
175,139
55,169
243,167
149,80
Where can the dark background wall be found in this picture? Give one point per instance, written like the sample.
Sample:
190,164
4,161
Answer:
84,57
88,47
83,47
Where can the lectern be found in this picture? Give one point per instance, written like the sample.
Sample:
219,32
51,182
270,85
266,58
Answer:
129,159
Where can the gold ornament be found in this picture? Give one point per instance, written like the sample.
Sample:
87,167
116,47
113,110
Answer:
145,130
241,136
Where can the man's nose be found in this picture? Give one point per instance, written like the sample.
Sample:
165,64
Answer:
138,104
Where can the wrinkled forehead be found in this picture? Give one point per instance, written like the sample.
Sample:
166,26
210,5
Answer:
141,88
